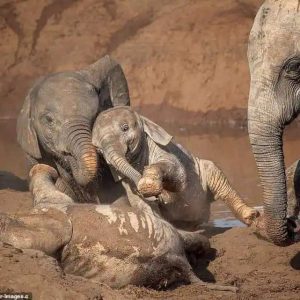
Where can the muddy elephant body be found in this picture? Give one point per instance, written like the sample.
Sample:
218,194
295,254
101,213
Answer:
121,246
54,125
115,245
142,152
274,102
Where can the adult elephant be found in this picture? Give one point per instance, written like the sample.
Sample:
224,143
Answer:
274,101
54,125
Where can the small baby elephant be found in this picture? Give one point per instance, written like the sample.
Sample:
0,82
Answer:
183,184
113,245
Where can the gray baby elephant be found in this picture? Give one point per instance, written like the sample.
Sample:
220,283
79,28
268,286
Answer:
185,185
55,123
112,245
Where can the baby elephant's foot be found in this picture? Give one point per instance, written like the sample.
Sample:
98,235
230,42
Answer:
259,227
151,183
249,214
42,169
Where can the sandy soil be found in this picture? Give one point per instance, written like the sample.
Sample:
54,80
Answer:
238,257
181,57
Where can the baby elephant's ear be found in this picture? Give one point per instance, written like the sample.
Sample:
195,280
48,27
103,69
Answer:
156,133
26,134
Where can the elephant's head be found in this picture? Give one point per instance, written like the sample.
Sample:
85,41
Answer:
274,101
120,135
59,111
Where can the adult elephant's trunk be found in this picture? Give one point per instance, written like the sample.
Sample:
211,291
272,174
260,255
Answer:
83,159
266,139
112,153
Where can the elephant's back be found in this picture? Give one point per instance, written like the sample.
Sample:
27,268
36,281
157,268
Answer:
113,245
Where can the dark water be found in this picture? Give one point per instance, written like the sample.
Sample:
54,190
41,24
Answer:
230,149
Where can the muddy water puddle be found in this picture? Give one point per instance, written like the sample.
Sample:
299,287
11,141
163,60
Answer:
229,149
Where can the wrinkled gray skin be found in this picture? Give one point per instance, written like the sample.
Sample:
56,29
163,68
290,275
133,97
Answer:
133,247
274,101
54,126
184,185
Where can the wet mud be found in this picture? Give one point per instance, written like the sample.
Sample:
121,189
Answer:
237,257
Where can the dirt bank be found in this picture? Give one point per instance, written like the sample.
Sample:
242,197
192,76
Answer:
259,269
186,55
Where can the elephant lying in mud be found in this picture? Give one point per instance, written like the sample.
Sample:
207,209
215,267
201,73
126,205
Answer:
274,102
107,244
185,185
54,125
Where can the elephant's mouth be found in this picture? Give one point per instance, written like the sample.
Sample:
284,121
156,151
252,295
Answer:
133,150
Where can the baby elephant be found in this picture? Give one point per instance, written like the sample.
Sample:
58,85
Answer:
183,184
113,245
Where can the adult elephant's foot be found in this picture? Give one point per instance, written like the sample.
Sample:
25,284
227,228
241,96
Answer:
151,183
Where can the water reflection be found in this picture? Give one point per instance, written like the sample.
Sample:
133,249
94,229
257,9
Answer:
229,149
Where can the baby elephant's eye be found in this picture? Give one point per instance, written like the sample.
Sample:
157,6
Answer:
49,119
124,127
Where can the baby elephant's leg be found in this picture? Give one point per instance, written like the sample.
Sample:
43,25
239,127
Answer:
220,187
47,227
45,193
194,242
41,230
195,245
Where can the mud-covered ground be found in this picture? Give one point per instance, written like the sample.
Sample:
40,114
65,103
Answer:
237,257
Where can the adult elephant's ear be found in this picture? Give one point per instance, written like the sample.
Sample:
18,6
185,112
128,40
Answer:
26,134
107,76
155,132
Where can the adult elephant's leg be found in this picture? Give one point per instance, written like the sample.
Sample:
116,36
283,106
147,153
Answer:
219,186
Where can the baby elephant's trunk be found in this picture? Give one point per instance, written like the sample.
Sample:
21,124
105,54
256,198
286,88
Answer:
113,155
